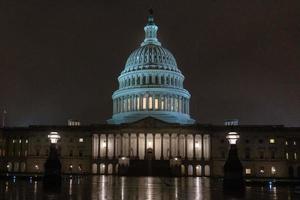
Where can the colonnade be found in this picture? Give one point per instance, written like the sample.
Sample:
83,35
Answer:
173,103
164,146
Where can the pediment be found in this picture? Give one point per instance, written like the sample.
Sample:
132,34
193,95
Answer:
150,122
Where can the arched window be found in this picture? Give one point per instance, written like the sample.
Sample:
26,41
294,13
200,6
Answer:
156,79
172,81
144,106
162,80
144,80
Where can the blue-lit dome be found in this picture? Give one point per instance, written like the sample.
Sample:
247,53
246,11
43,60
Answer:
151,85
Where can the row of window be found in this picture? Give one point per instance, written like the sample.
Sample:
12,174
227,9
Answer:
146,102
151,80
71,140
248,171
261,141
71,152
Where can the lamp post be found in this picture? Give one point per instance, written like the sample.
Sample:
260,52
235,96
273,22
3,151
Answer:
233,170
52,173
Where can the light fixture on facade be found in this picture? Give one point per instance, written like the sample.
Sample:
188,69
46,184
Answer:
36,167
272,141
248,171
232,137
149,144
54,137
26,141
123,158
273,170
80,139
71,166
20,141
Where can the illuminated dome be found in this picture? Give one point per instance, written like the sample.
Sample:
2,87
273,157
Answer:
151,85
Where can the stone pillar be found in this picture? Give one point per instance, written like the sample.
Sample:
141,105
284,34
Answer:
114,147
185,151
106,153
170,148
194,152
145,146
162,147
153,144
99,145
137,146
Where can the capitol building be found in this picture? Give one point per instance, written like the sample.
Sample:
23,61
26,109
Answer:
151,132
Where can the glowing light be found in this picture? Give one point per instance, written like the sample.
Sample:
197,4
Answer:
248,171
273,170
197,144
232,137
272,141
36,167
123,158
54,137
80,139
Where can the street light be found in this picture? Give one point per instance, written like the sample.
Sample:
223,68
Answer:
232,137
233,181
54,137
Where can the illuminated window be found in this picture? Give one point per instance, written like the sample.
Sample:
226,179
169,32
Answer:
295,156
248,171
150,103
26,141
287,156
162,106
14,141
80,139
144,103
20,141
262,170
272,141
156,104
176,104
286,143
128,104
273,170
294,143
172,104
138,103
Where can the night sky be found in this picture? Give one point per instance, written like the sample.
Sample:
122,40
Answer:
241,59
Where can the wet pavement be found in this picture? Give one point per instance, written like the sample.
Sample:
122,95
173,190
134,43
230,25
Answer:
135,188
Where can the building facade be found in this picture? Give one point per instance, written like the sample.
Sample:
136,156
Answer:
151,131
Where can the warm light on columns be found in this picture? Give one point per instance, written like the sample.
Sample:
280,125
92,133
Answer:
54,137
232,137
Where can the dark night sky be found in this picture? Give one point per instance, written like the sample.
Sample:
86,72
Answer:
241,59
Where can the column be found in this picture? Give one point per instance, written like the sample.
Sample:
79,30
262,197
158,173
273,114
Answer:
137,144
185,151
99,145
114,152
145,145
162,147
106,142
153,144
122,144
129,145
194,153
170,145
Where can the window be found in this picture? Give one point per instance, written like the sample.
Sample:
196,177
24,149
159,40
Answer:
150,103
287,156
138,103
272,154
248,171
286,143
273,170
162,104
80,139
144,103
247,154
262,170
272,141
261,155
294,143
14,141
295,156
26,141
156,104
37,153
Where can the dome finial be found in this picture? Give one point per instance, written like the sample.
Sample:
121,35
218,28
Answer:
150,16
150,30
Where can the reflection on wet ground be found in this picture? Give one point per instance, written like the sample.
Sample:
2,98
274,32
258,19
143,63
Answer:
134,188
